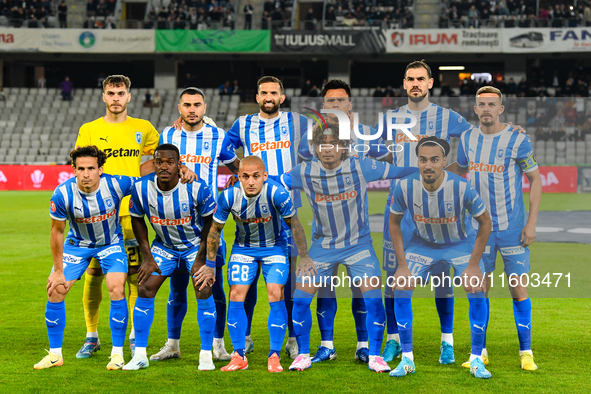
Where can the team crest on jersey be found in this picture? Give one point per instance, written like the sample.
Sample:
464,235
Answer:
184,207
264,209
501,153
348,181
138,137
449,207
284,130
206,145
109,202
431,125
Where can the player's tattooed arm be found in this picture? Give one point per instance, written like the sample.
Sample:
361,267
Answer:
213,239
528,235
149,265
57,277
484,229
403,271
306,265
201,273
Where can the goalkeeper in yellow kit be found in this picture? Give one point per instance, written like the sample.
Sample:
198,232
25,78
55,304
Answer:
125,140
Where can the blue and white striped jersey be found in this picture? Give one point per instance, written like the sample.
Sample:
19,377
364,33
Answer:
175,215
201,151
358,147
496,163
439,216
93,217
258,219
339,197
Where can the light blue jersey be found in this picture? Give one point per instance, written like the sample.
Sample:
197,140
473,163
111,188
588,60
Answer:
175,215
496,163
93,217
438,217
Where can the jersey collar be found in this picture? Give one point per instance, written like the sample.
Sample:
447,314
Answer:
440,186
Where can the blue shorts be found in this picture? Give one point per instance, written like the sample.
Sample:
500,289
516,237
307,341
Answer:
425,258
244,265
170,260
389,262
515,257
112,258
360,260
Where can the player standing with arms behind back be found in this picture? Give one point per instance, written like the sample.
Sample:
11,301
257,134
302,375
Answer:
497,157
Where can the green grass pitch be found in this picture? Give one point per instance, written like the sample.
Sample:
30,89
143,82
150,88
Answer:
561,334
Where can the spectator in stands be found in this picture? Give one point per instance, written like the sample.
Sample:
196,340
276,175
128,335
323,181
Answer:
586,127
101,9
110,24
88,23
156,100
277,18
523,86
511,87
541,135
379,92
387,102
66,87
147,98
310,20
587,14
314,92
330,17
248,11
236,88
306,88
151,15
17,16
225,88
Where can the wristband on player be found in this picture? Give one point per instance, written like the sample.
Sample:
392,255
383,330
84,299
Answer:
210,263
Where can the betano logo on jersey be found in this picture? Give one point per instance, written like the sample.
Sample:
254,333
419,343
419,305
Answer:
252,220
422,219
122,152
96,219
170,222
483,167
400,137
189,158
336,197
269,145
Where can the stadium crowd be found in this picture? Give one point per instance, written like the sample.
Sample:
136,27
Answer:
512,13
182,14
33,13
384,13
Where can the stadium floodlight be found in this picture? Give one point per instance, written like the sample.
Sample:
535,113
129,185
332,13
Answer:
451,68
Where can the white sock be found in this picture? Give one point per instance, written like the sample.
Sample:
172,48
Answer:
449,338
174,343
291,339
327,344
141,351
362,344
409,355
522,352
132,334
92,334
57,351
484,353
395,337
474,357
217,341
247,338
117,350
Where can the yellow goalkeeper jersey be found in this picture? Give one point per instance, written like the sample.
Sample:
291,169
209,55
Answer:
124,143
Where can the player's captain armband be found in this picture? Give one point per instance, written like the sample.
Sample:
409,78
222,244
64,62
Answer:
528,163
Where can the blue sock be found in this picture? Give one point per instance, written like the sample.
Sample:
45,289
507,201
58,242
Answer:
522,313
206,318
326,310
277,323
360,313
143,316
302,316
55,319
444,302
391,325
477,313
403,309
251,301
376,320
237,326
118,317
219,297
288,298
176,307
487,319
